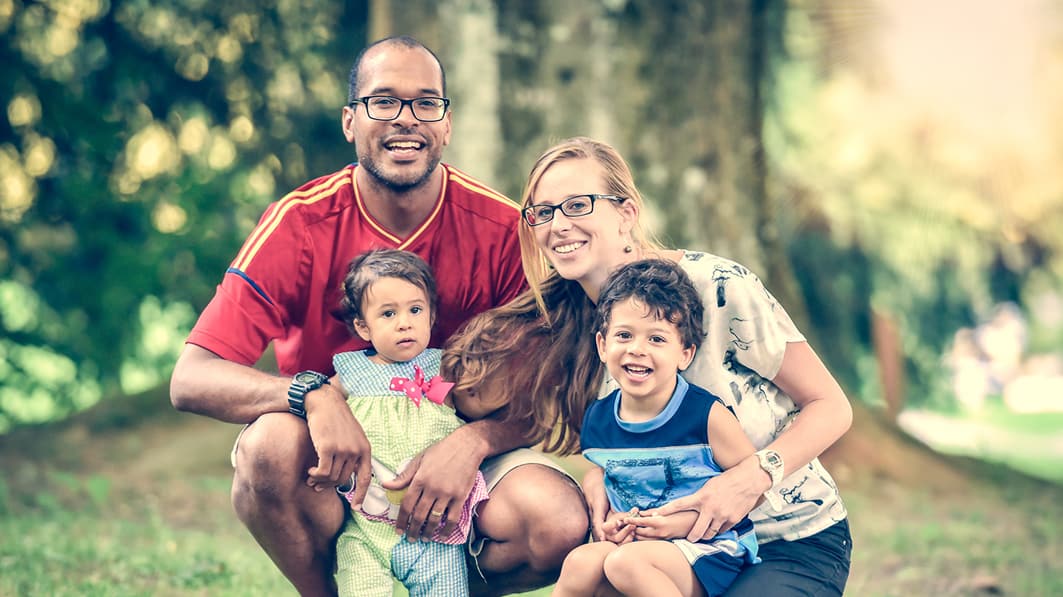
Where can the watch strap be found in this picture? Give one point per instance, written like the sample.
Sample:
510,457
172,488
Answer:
772,463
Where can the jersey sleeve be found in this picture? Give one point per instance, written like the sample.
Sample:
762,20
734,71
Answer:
759,328
511,281
252,305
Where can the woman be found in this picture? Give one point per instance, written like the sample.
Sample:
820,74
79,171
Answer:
582,221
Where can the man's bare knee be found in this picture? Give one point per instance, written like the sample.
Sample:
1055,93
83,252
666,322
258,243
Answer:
270,467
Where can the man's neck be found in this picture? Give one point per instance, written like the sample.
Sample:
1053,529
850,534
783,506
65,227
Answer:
400,212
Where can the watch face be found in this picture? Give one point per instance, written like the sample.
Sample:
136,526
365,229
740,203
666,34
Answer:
773,459
307,377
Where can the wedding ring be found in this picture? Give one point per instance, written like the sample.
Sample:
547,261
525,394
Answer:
437,514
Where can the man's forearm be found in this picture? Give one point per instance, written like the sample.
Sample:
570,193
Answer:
492,437
205,384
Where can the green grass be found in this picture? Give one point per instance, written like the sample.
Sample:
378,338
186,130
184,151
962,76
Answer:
145,511
1028,442
60,541
70,534
912,543
997,414
92,552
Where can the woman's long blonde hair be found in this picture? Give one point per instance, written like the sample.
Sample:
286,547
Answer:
548,370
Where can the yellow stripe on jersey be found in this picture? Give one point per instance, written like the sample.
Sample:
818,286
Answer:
478,187
368,218
262,232
431,218
402,244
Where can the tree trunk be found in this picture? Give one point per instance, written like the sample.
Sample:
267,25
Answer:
886,339
471,57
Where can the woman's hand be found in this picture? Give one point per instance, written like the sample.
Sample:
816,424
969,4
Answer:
724,500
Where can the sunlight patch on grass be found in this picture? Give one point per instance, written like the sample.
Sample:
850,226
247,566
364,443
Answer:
1031,443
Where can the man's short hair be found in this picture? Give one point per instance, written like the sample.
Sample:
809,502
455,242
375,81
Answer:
401,40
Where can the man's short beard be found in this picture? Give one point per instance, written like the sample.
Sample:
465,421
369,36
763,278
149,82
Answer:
393,185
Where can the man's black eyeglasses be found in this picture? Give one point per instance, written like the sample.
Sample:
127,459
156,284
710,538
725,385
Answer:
386,107
573,207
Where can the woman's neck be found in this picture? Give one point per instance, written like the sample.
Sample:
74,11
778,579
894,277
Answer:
592,284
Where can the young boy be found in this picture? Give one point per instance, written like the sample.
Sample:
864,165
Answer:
651,440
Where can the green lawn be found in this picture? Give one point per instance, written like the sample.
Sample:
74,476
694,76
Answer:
906,543
146,512
1029,442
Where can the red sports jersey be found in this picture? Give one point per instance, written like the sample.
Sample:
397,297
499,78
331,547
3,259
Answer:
285,283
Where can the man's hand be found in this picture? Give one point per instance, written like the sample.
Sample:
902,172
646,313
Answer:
341,446
437,483
597,500
723,500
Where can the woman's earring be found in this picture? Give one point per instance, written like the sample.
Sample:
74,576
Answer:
628,248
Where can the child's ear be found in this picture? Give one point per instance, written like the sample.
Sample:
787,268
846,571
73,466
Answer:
599,339
362,329
688,356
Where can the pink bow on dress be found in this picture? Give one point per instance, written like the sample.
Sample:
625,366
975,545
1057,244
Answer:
434,389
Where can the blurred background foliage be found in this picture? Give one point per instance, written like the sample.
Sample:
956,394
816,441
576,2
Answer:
140,141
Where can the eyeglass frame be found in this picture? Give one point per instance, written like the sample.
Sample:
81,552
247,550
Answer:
402,104
561,206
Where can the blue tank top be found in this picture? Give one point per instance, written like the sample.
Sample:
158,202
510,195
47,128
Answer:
650,463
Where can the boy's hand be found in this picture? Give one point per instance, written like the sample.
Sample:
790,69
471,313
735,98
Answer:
597,501
651,525
616,530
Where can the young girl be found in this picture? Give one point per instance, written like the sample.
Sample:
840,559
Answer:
395,392
655,439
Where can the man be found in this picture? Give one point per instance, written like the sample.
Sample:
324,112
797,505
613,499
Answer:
302,440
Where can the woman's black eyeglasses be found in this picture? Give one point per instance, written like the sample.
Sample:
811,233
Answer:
573,207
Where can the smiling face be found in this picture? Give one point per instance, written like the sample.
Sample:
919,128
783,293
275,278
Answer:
398,154
583,248
643,353
397,320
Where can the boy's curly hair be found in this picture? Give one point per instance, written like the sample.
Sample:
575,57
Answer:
663,287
